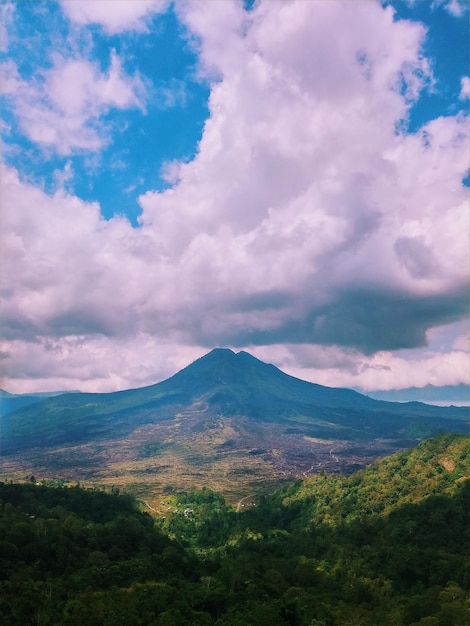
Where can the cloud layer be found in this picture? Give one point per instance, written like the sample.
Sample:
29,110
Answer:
310,227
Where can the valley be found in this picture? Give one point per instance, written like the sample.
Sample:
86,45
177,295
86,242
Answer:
157,460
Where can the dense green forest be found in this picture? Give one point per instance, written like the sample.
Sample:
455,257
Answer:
387,546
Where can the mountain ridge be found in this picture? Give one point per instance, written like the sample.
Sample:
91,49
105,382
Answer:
448,394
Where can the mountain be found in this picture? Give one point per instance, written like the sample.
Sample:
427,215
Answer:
228,421
446,395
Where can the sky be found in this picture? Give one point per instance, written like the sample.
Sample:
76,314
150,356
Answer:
287,178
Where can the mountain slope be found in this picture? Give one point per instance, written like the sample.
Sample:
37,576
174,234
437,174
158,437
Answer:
437,466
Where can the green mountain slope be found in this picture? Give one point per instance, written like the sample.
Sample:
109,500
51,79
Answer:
435,467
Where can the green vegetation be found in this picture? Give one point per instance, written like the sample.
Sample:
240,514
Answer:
386,546
432,468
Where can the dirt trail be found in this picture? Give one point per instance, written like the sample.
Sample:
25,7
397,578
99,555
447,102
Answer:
334,455
240,503
149,506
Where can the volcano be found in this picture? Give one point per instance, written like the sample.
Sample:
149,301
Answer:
225,415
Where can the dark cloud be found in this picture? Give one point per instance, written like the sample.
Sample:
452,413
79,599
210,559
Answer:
79,322
14,327
273,299
362,319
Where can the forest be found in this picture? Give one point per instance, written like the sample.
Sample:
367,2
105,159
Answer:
387,546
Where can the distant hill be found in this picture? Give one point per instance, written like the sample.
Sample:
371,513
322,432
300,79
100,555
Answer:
10,402
228,421
444,396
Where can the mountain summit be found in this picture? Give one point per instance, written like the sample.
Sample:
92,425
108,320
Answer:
220,417
240,378
223,366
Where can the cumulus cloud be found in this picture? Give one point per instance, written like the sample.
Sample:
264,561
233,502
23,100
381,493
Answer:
305,219
63,106
303,191
114,17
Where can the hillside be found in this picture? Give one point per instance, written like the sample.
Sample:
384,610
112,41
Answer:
328,551
227,421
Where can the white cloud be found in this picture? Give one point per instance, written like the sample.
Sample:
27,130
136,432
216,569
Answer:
388,371
336,367
114,17
465,88
304,220
91,363
7,12
62,107
457,8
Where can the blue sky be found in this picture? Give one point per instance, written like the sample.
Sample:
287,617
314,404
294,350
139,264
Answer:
286,178
447,37
139,140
